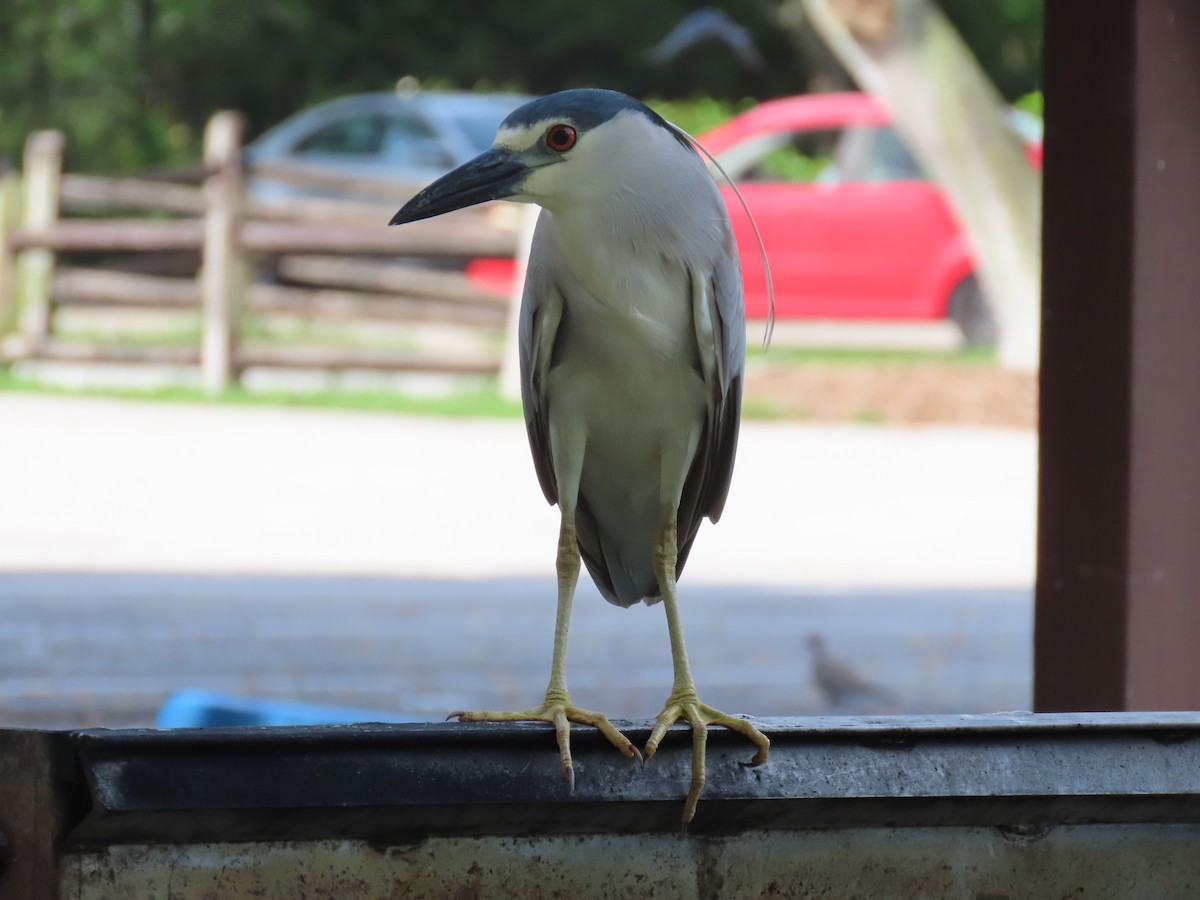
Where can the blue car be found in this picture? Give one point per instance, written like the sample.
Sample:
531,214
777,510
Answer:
406,137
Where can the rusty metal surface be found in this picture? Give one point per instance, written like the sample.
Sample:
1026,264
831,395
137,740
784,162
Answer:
1096,862
379,781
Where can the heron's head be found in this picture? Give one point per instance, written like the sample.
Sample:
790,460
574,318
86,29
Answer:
559,149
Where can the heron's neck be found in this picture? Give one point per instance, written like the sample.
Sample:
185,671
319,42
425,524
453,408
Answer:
641,219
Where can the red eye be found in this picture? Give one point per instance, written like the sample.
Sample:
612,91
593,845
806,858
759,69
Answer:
561,138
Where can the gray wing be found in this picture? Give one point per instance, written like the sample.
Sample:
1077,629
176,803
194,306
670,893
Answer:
720,320
537,328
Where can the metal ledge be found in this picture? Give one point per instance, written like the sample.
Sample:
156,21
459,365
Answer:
950,806
385,782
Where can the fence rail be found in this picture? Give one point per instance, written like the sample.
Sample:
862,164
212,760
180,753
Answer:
71,242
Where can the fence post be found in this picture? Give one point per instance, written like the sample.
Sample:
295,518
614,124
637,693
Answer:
222,274
35,267
10,205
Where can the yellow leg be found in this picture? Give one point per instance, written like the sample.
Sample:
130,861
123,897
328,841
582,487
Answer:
684,702
557,708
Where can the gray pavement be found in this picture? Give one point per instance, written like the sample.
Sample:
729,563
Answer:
405,565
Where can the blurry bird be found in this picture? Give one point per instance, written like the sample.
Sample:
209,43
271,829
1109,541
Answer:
632,350
703,25
839,684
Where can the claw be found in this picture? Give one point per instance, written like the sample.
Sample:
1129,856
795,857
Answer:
699,717
664,721
562,732
759,758
699,746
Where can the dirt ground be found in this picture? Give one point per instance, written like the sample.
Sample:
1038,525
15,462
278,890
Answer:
912,394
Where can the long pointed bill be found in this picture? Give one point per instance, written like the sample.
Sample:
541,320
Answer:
493,175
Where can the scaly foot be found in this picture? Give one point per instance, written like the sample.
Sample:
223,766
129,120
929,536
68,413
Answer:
686,705
559,712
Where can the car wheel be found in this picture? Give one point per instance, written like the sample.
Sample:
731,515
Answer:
969,310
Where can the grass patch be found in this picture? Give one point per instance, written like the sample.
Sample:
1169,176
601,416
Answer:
870,416
176,337
767,411
480,398
484,402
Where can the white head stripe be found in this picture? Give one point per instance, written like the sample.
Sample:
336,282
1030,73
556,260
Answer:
522,137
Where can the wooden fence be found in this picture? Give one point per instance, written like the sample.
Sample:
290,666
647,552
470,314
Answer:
309,259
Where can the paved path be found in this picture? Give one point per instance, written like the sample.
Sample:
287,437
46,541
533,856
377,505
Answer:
405,564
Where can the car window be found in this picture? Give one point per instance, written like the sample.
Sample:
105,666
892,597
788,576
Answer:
886,158
783,156
399,140
823,156
408,141
354,136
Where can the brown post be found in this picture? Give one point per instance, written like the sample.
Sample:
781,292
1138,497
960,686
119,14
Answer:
1117,623
35,269
222,275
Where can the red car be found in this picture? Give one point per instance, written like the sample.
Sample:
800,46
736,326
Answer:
852,229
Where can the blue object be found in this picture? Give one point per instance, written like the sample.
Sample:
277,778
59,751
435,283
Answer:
201,709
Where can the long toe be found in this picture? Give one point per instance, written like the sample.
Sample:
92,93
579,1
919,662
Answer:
560,714
743,727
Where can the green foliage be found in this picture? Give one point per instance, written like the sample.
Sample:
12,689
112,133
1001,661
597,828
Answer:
789,164
132,82
1006,38
699,114
1033,103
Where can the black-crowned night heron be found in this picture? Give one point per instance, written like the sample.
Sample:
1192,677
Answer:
632,350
